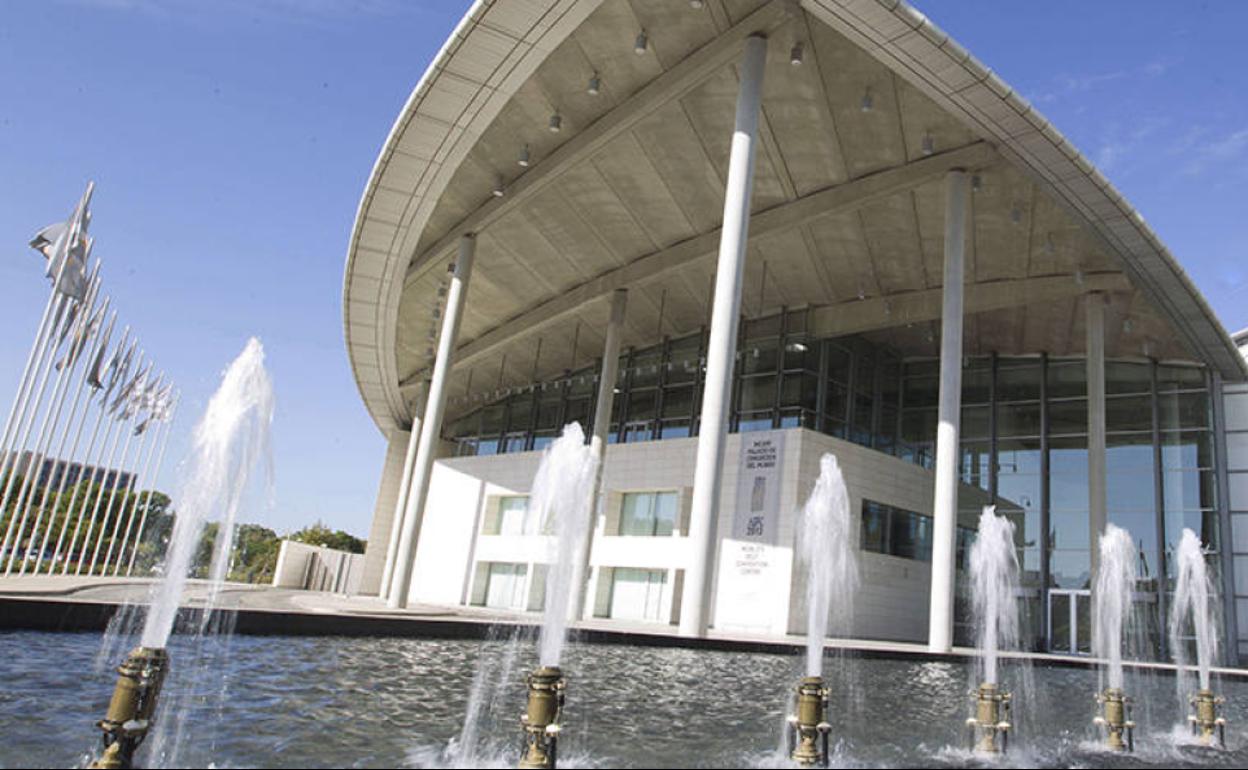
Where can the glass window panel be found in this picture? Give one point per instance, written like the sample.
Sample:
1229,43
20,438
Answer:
514,442
834,426
751,421
1018,455
864,375
835,401
975,422
1203,523
1070,569
520,415
676,429
637,514
492,419
1128,451
797,418
1183,410
1067,379
838,362
1128,377
1129,490
512,514
645,367
1018,382
799,389
583,383
677,402
759,356
921,391
1068,417
767,326
1142,526
548,414
1188,449
1018,419
1189,490
1129,413
904,535
543,440
664,513
1070,528
977,381
918,425
973,464
577,410
1069,454
1180,378
642,405
1019,495
682,360
758,393
487,446
800,353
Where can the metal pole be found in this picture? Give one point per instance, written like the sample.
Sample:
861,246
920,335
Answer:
729,274
945,498
44,370
1097,515
133,500
598,442
60,455
17,410
160,460
112,497
431,425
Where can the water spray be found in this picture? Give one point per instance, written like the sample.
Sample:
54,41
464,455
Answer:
540,721
808,728
1115,719
132,707
1206,724
988,732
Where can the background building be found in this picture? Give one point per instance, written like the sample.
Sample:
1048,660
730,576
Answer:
552,233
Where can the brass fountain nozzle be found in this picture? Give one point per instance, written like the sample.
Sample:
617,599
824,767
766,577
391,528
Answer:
132,707
541,720
1115,718
808,728
1206,724
989,730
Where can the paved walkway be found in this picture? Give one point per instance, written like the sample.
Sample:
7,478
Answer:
352,610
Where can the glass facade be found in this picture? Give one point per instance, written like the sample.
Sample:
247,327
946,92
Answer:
1024,436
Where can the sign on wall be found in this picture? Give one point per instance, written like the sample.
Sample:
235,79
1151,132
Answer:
758,488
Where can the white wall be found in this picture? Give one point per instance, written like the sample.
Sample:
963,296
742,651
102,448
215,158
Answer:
318,568
1235,401
767,599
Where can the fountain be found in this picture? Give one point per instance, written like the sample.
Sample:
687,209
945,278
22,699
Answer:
994,588
227,441
827,551
1115,583
560,500
1194,602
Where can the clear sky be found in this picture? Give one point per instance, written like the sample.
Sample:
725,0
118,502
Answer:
230,142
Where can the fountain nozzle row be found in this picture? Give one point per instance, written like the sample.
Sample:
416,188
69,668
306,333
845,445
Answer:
132,707
1204,719
1115,717
541,719
808,728
989,730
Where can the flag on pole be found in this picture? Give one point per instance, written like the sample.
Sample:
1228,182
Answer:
89,325
102,363
66,246
118,372
125,397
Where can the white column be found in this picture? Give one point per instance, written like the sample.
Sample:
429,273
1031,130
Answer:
1095,327
598,441
400,504
431,425
945,499
729,272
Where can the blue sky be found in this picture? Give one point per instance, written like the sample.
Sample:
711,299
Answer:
230,142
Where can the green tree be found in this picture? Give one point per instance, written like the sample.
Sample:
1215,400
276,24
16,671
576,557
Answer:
319,534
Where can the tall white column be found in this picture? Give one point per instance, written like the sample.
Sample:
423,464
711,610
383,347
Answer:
431,425
729,272
400,503
598,440
1095,327
945,499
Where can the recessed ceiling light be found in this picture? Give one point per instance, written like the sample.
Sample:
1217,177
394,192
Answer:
795,55
641,43
523,160
595,85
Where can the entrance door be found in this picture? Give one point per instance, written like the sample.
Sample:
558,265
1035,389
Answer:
1070,621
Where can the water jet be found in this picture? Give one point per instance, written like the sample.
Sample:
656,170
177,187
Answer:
1115,719
808,728
1115,584
541,719
989,730
1195,597
994,589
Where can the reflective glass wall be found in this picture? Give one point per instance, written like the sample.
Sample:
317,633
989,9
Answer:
1023,434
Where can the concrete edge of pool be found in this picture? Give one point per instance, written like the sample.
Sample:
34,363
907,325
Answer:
67,611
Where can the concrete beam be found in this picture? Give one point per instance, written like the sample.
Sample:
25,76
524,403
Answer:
848,196
682,78
856,316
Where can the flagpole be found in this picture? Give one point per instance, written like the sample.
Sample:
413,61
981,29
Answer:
51,419
133,499
95,466
45,367
118,423
160,461
122,403
23,390
67,459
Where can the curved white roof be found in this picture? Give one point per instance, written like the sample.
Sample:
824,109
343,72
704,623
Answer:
846,210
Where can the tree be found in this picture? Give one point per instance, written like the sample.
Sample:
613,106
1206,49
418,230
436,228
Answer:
319,534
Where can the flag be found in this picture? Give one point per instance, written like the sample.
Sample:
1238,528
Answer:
118,371
125,397
66,246
88,324
99,364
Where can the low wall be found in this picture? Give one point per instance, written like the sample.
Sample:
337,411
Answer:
318,568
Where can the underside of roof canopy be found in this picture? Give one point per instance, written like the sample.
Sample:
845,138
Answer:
628,193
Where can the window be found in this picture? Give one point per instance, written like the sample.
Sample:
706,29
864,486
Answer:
648,514
636,594
512,518
504,588
896,532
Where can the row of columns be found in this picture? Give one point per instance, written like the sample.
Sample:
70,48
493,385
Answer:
721,348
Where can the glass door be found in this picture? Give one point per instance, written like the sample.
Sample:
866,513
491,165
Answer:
1070,621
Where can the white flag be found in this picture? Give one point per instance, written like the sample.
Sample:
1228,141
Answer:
99,364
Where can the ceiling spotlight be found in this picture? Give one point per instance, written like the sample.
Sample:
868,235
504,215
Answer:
1126,326
868,102
595,85
523,160
498,190
862,293
795,55
641,43
977,183
929,144
1016,214
556,123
